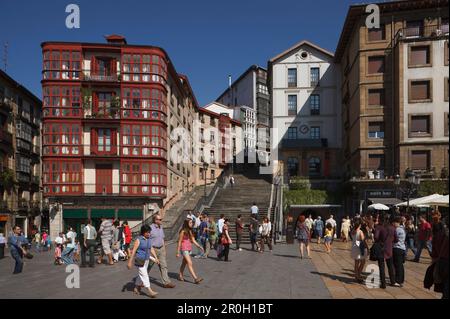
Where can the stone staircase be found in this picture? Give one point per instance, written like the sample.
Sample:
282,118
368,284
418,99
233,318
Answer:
231,201
174,216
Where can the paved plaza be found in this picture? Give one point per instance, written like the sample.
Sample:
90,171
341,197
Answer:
277,275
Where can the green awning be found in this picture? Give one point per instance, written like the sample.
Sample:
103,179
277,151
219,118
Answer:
130,213
99,213
75,213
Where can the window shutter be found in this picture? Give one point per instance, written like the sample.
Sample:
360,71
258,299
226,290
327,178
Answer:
419,55
113,67
420,160
375,127
420,90
420,124
376,97
93,65
376,64
95,101
376,161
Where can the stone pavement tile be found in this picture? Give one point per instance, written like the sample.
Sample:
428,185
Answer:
245,277
338,267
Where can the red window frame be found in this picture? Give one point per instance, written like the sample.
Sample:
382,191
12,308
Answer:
143,178
143,140
59,175
96,137
143,102
55,144
54,95
110,62
98,97
143,66
55,59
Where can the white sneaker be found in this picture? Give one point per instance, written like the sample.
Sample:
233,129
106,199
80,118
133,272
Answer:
240,249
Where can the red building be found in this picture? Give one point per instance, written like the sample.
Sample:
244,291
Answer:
104,129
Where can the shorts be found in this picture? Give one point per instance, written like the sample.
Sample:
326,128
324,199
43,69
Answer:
328,239
106,246
185,252
303,240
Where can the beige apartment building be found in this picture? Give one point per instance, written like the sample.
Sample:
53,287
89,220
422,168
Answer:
20,163
395,97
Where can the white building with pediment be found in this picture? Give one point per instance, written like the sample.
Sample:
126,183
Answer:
304,86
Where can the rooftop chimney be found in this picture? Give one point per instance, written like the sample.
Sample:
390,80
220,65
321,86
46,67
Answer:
115,39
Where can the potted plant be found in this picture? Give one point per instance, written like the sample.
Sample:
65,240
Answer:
7,179
86,95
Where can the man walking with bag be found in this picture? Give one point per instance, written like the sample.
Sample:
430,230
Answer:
88,244
157,239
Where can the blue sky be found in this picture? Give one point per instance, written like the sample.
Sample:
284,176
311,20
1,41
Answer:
205,39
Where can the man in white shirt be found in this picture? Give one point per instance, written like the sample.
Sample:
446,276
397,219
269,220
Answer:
309,223
254,210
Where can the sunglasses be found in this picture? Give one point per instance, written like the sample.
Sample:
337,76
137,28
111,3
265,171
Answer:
158,219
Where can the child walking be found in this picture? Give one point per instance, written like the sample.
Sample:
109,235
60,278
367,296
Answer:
328,237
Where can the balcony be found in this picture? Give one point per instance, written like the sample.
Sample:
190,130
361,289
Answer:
3,205
304,143
36,149
35,204
108,114
425,173
23,204
23,145
88,76
5,137
6,105
35,179
23,177
423,32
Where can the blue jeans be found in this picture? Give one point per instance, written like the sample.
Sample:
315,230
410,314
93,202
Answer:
410,245
67,255
19,262
421,245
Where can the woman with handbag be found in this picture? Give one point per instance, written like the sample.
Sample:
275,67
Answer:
359,251
185,240
225,241
141,254
303,236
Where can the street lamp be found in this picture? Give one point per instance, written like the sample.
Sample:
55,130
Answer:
412,185
205,171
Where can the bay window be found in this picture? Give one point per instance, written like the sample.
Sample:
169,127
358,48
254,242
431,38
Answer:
62,65
61,101
143,178
143,140
144,68
61,139
62,177
143,103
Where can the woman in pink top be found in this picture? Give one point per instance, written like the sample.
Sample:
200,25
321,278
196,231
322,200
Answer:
185,240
